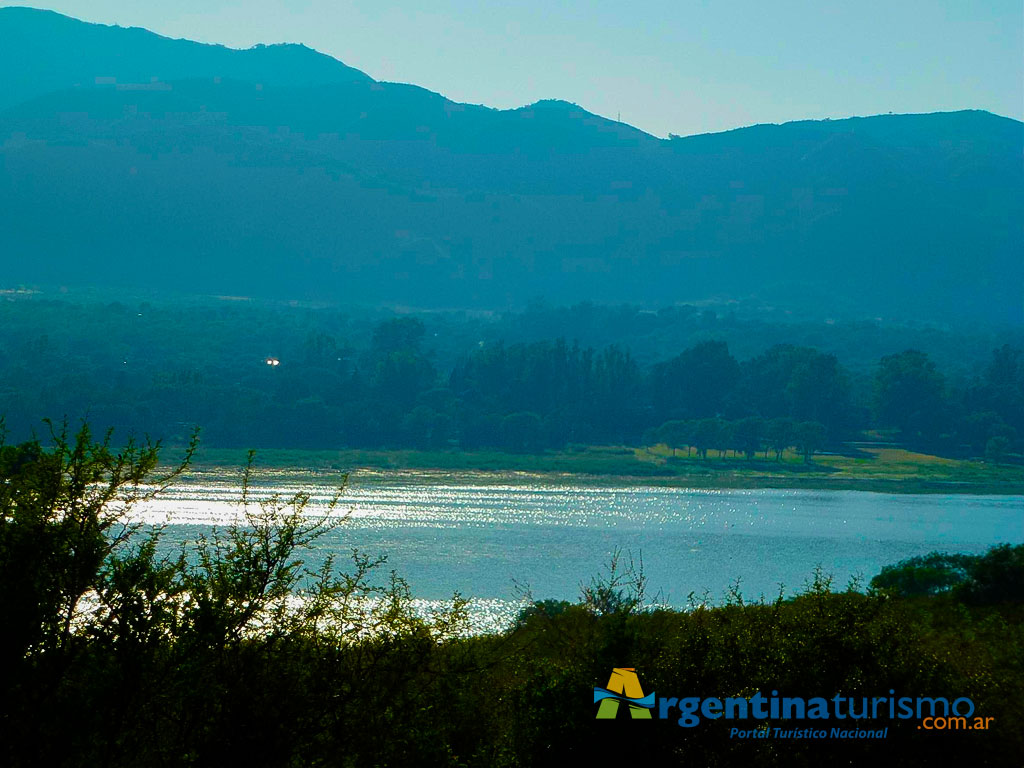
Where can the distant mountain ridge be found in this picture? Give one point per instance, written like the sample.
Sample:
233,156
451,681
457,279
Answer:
44,51
130,159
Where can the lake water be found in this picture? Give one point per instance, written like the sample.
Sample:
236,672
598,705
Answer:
494,540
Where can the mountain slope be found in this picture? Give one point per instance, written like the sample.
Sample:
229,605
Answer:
280,172
44,51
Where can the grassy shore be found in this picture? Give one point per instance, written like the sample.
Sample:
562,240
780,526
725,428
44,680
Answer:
877,469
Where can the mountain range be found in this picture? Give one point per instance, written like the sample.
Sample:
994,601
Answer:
133,161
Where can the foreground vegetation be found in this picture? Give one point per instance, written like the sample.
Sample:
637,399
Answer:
231,652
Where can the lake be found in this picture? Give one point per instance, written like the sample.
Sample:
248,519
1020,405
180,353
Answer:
493,540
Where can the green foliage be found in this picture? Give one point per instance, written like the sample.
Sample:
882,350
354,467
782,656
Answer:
446,381
779,435
746,436
63,515
909,393
930,574
996,447
696,383
800,383
233,651
994,577
708,433
547,609
675,434
101,618
522,432
809,437
622,590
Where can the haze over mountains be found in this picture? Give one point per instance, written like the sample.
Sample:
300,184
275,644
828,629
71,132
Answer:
133,161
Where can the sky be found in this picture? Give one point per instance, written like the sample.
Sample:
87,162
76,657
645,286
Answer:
682,66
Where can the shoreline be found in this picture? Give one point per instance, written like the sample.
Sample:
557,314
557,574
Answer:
887,472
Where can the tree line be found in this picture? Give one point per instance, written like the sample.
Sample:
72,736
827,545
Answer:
744,436
384,384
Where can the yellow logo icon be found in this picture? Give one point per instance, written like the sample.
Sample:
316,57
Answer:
625,686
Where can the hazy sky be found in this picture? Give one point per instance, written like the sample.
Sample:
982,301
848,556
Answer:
683,66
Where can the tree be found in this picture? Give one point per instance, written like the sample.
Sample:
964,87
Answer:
975,429
426,428
818,391
780,435
403,334
799,382
695,384
747,435
622,591
809,437
399,370
63,515
909,395
105,624
675,434
522,432
1001,388
996,448
930,574
706,434
996,577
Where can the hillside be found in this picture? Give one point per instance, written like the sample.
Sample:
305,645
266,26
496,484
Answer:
129,160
